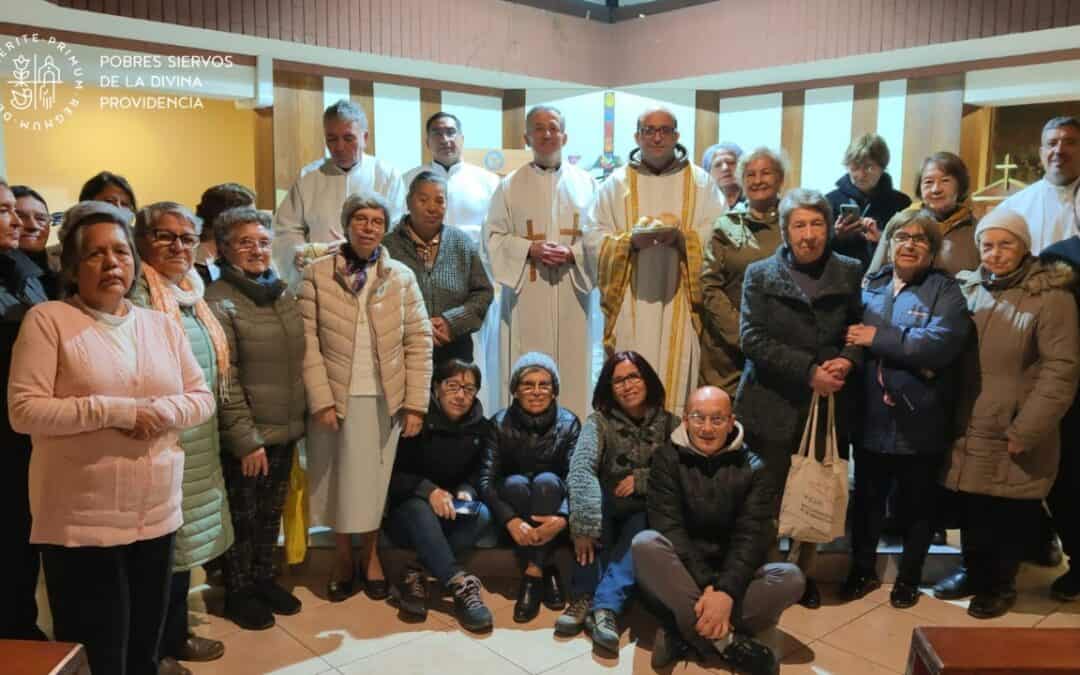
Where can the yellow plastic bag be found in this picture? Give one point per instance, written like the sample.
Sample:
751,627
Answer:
295,516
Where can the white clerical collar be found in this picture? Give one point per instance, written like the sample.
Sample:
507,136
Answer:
443,171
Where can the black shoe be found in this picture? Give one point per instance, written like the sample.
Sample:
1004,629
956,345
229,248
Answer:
197,648
469,607
904,595
571,621
279,600
170,666
1066,588
605,630
750,656
377,589
954,587
553,593
859,585
668,647
811,597
339,591
527,605
992,604
410,594
246,610
1048,555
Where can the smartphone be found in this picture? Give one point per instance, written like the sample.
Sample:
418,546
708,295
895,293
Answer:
849,211
467,509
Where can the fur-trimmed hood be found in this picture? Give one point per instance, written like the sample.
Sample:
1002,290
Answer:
1035,276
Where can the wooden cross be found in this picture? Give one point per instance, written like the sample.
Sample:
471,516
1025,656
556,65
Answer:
573,232
1005,167
531,236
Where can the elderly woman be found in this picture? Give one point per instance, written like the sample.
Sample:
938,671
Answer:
915,324
166,234
109,187
367,372
261,321
104,388
523,476
215,201
864,199
447,265
745,234
1018,385
720,161
796,308
608,482
21,288
434,506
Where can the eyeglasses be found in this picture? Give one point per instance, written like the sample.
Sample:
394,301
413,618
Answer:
652,131
902,238
454,388
698,420
542,387
252,244
632,378
166,238
446,132
367,223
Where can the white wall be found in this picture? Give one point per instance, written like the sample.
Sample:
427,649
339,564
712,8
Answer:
751,121
583,110
826,134
630,104
892,102
481,117
397,125
1039,83
335,89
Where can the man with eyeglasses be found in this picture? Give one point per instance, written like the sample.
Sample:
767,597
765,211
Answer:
36,223
646,230
534,242
306,224
711,510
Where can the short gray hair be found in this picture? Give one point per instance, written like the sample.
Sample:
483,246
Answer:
239,215
345,110
536,109
1060,122
364,200
921,217
657,109
778,160
717,148
425,177
148,217
804,198
76,220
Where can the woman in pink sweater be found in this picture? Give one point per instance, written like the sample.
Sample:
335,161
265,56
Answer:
103,388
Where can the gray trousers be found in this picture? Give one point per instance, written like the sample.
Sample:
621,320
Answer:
664,579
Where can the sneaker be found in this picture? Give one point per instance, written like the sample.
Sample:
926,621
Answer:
1066,588
859,585
954,587
572,620
605,630
469,607
279,600
246,610
749,655
668,647
410,594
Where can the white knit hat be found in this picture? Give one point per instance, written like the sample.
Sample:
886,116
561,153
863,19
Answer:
533,360
1004,219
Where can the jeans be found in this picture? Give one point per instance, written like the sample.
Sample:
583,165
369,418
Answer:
112,599
610,577
437,541
543,495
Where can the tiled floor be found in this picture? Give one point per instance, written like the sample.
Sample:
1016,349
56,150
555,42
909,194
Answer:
360,636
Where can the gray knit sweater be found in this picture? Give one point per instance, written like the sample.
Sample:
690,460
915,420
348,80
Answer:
611,447
457,288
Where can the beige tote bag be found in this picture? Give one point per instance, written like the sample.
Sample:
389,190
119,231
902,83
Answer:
815,500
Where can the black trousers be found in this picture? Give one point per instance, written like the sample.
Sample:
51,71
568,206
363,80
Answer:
915,478
20,561
255,504
112,599
175,632
997,532
1064,497
541,495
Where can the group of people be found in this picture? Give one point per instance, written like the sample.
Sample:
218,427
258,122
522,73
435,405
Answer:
163,364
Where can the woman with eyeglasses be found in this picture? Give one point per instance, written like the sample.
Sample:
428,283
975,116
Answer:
608,482
915,324
262,324
523,478
367,371
434,507
166,234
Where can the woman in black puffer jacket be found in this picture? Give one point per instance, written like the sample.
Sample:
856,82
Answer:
523,476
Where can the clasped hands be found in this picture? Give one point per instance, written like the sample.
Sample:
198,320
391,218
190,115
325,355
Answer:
525,534
713,610
442,502
551,254
643,239
149,423
828,378
411,421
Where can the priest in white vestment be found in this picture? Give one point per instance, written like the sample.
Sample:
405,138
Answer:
468,195
1047,205
646,232
307,223
534,241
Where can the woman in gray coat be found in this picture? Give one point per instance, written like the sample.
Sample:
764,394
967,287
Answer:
261,320
796,307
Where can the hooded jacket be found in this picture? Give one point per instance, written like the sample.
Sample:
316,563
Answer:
718,511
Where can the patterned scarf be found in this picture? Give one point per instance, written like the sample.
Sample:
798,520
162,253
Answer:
357,269
167,297
425,250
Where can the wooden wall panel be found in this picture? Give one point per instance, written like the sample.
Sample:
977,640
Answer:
976,132
791,134
362,93
265,190
513,126
864,109
932,120
430,103
707,122
298,135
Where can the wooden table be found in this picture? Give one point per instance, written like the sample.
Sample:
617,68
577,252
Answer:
25,657
940,650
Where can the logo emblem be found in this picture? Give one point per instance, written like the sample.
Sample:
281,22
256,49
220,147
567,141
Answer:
43,84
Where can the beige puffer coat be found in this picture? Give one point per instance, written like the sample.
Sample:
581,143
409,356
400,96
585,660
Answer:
1018,383
402,335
